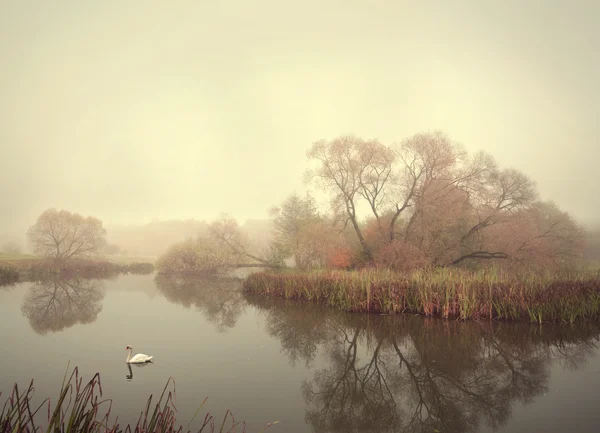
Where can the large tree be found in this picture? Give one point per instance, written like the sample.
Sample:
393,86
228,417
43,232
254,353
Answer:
391,180
226,233
61,234
427,193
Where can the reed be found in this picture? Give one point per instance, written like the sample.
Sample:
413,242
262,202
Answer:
8,276
81,409
446,292
36,269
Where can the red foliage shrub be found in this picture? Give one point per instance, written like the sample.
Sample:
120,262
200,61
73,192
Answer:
339,258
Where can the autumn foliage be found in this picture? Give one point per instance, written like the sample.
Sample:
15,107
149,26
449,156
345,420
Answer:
431,203
423,202
401,256
339,258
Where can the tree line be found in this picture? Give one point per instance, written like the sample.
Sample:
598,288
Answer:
427,201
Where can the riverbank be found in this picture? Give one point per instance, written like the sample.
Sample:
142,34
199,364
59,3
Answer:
26,268
447,292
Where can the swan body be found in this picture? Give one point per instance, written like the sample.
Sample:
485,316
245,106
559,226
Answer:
140,358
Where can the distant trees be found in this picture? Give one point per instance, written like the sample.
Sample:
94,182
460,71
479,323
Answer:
223,248
10,248
427,202
112,249
226,233
592,248
65,235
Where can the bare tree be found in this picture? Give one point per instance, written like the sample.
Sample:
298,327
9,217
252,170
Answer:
501,196
352,168
540,235
392,180
227,234
224,248
65,235
426,194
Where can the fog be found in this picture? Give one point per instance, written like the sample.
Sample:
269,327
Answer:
141,110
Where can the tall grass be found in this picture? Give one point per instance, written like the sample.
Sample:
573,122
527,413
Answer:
43,268
80,408
447,292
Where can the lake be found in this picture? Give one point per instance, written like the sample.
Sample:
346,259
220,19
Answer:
312,368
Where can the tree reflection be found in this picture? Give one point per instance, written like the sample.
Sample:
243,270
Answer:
295,325
56,304
220,299
411,374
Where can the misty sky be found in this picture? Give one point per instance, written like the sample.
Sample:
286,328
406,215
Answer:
133,110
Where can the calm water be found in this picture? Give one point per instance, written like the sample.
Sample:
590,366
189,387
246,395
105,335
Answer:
314,369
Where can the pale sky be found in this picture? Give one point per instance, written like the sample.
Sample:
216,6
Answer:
134,110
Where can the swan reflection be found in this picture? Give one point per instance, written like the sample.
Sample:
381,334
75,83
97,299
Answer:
129,376
130,368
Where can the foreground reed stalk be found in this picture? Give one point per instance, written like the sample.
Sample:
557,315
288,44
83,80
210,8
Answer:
449,293
79,408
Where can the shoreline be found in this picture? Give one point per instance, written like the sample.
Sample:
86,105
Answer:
13,271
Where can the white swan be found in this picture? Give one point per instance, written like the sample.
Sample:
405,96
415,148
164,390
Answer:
140,358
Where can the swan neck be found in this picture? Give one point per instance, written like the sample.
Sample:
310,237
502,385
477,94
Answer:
128,355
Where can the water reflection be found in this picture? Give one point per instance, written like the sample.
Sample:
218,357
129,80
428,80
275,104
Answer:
130,375
406,373
218,298
130,369
55,304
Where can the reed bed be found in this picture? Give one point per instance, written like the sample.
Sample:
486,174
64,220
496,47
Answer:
8,276
81,409
446,292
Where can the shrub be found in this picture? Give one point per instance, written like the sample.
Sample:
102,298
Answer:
202,256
